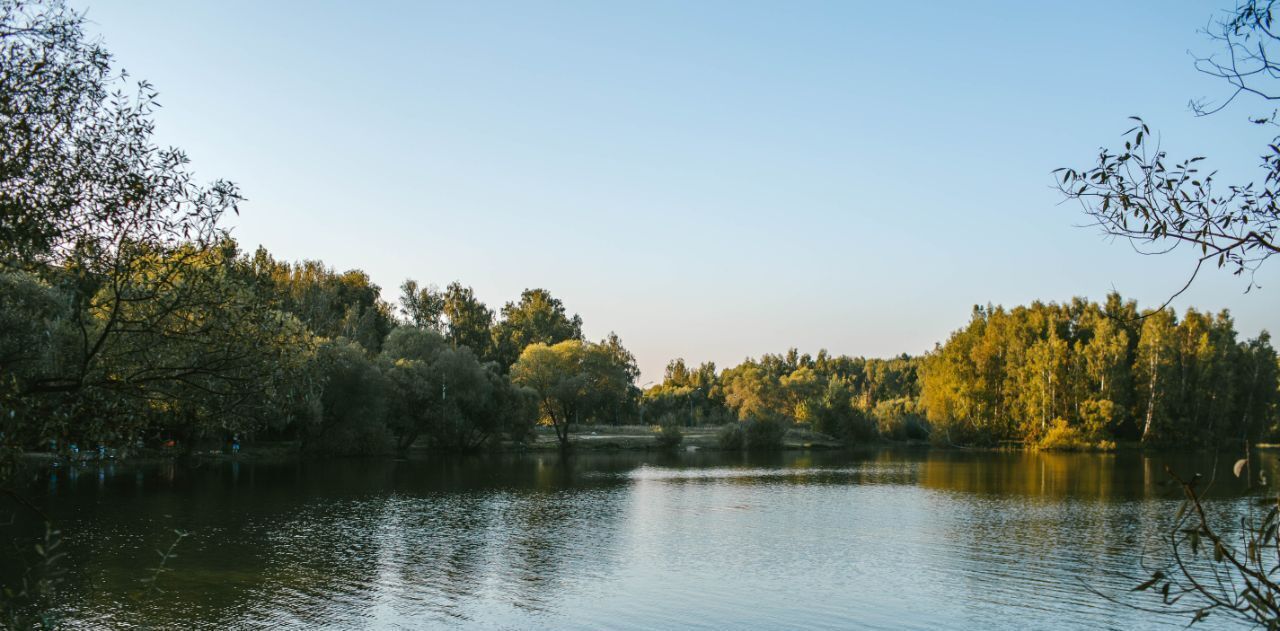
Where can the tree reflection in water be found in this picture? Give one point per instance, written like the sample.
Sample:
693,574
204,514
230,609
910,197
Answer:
624,540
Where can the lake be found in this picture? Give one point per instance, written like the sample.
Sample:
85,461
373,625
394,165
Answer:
824,540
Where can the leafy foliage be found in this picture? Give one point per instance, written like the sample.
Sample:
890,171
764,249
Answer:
1159,204
1104,371
1064,437
423,306
470,322
575,382
833,395
669,435
538,318
764,432
351,409
330,304
1211,569
446,393
731,437
900,419
1192,382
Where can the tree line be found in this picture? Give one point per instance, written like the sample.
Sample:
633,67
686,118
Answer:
1078,374
849,398
202,343
1087,372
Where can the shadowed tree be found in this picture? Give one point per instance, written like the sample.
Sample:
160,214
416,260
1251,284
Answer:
158,318
331,304
470,321
446,394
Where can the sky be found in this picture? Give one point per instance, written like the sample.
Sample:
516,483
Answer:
710,180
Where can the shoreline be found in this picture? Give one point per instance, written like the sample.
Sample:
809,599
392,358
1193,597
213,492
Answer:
629,440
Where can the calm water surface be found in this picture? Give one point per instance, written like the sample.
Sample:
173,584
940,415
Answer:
629,541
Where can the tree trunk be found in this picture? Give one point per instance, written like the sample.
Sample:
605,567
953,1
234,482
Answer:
561,427
405,441
1151,397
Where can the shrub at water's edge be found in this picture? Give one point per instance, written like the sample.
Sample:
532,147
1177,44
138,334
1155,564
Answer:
1063,437
731,437
758,433
668,434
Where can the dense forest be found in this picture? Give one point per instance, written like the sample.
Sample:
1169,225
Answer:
206,343
1100,372
130,318
850,398
1077,374
194,343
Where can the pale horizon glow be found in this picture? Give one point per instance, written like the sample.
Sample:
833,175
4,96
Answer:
710,180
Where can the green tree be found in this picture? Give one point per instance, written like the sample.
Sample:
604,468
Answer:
800,389
677,374
573,381
423,306
1103,371
470,321
1155,368
1041,383
750,390
966,380
538,318
619,400
330,304
555,375
900,419
446,394
1259,398
1102,379
182,344
114,226
836,414
350,412
416,393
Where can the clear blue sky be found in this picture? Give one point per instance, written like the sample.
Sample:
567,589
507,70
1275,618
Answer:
711,180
